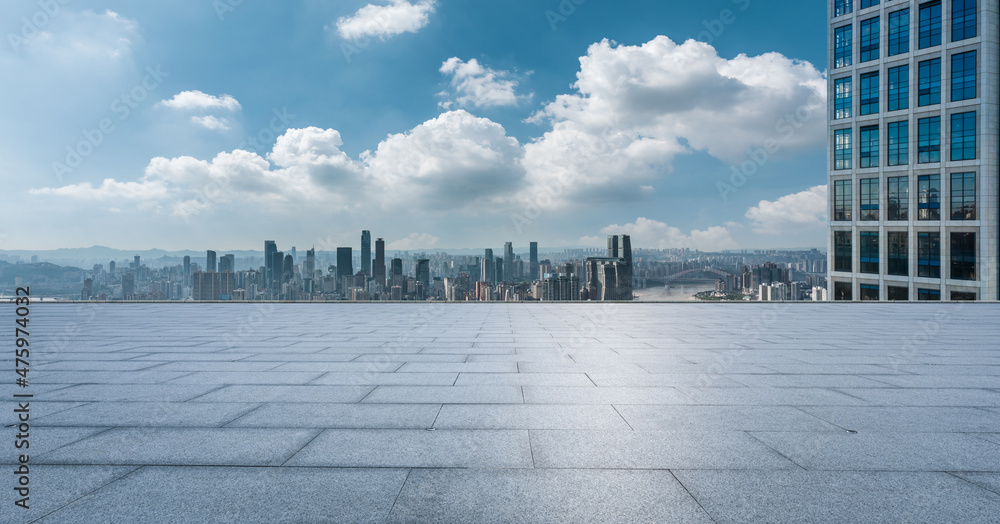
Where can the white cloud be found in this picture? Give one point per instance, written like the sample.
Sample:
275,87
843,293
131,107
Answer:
211,122
109,189
479,86
414,241
658,235
452,161
197,100
791,213
399,16
637,107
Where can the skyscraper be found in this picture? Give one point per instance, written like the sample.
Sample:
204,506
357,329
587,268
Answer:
210,261
424,272
270,248
379,267
227,264
277,265
914,151
366,252
508,258
286,269
187,266
345,263
309,266
533,261
397,271
488,274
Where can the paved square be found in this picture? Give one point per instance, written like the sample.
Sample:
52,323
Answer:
510,413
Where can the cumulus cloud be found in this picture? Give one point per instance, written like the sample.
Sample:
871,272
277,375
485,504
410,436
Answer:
455,160
637,107
791,213
197,100
414,241
479,86
659,235
211,122
383,21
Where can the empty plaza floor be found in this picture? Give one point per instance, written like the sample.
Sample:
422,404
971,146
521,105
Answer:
507,413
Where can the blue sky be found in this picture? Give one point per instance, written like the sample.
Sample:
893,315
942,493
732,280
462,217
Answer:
435,124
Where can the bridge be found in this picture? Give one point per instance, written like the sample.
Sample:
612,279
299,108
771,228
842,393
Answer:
677,276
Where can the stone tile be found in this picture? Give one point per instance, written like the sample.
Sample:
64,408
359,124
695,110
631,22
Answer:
721,418
940,381
833,369
412,358
108,377
381,448
446,395
299,393
248,377
225,494
811,381
43,440
566,367
769,397
544,496
664,380
94,365
925,369
526,416
472,367
885,451
987,481
927,397
360,416
652,450
355,367
52,487
602,395
230,367
183,446
908,419
131,392
794,497
386,379
523,379
148,414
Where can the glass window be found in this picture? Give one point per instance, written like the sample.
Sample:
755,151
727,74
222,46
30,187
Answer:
899,254
929,82
842,149
929,197
963,76
842,7
899,32
928,294
868,3
869,292
842,199
963,295
898,293
929,255
963,19
842,251
868,245
842,47
869,199
930,24
869,93
842,291
963,196
963,136
899,143
899,197
963,256
868,148
869,40
899,87
929,140
842,98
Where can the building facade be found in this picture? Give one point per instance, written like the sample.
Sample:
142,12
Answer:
914,149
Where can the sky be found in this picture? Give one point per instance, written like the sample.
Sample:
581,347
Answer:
217,124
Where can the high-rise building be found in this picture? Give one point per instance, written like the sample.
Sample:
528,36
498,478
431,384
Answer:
277,266
309,265
488,274
137,263
366,252
286,269
187,266
397,271
533,261
227,264
508,258
914,151
270,248
424,272
345,263
379,265
210,261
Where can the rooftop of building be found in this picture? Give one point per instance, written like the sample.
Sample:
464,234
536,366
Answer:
510,413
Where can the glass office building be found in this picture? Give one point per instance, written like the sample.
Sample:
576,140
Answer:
914,149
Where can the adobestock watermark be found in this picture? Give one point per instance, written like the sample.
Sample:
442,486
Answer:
255,143
751,336
224,7
563,11
31,26
715,27
122,108
923,333
786,128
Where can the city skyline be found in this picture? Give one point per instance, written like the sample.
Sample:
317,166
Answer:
440,133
